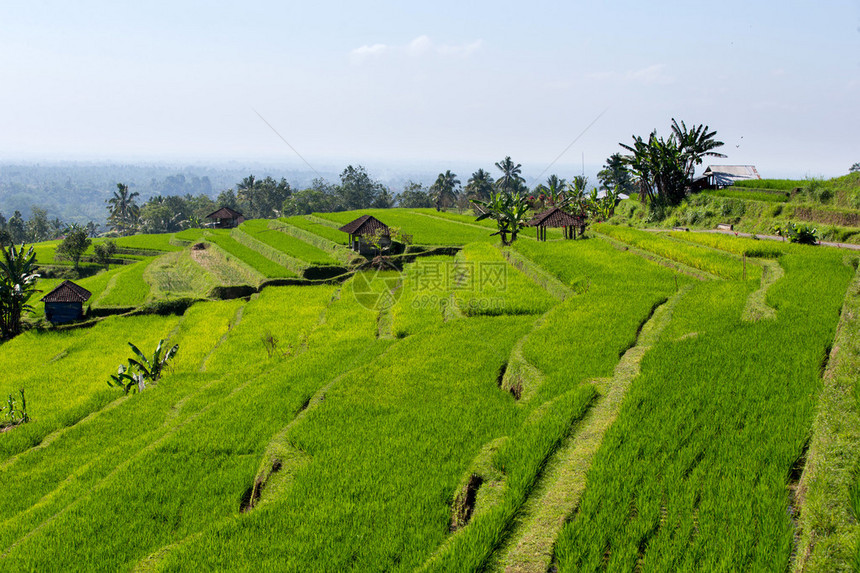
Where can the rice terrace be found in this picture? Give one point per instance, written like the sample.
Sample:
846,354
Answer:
469,287
625,400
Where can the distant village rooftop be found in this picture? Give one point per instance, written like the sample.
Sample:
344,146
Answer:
718,176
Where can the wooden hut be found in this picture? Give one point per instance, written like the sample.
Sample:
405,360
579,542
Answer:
66,302
555,217
225,218
362,227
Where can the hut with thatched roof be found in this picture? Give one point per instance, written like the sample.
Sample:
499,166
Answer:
226,218
360,229
66,302
555,217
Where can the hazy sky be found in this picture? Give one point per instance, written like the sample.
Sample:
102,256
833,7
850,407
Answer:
402,82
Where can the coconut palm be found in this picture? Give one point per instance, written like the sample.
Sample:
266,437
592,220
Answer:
124,212
555,187
443,189
246,191
479,186
511,179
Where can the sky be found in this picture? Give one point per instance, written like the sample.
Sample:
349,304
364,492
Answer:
403,84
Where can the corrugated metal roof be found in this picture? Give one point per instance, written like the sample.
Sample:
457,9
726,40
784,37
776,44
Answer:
67,291
364,225
224,213
555,217
733,171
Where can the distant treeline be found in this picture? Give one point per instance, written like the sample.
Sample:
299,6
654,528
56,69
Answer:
76,192
177,201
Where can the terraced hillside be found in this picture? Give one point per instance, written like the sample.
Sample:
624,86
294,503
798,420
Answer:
630,401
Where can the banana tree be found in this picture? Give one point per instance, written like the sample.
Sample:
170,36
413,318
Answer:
509,210
152,369
134,378
128,380
18,278
602,208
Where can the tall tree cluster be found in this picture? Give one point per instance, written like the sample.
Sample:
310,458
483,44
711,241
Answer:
38,227
664,167
357,190
615,175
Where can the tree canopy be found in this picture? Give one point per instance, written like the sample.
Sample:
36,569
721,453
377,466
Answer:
414,196
74,245
615,175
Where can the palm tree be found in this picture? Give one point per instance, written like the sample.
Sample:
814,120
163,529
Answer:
480,185
245,191
555,189
124,212
17,284
443,189
511,179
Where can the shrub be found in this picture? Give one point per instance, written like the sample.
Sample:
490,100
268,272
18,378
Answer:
801,234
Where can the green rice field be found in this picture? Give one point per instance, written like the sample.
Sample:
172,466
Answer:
631,401
289,245
425,230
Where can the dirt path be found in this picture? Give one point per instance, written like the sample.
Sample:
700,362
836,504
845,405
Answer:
849,246
561,485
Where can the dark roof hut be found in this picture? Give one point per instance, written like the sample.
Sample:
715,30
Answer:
226,218
66,302
365,225
362,227
555,217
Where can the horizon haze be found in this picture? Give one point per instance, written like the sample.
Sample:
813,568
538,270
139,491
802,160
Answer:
384,84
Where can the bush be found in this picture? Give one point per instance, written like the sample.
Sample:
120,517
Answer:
801,234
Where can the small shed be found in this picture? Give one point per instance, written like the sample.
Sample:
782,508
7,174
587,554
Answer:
362,227
66,302
721,176
226,218
555,217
